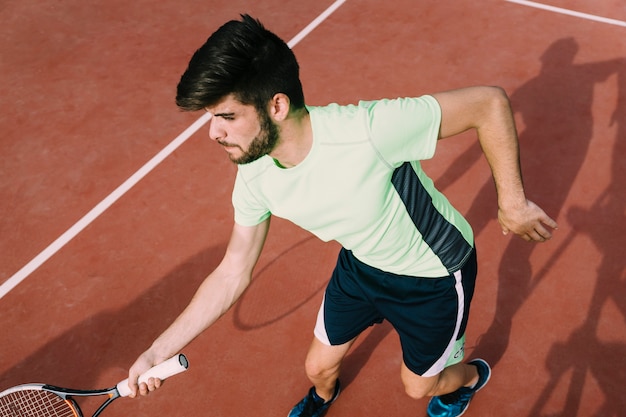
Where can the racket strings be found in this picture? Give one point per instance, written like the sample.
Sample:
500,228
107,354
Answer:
35,403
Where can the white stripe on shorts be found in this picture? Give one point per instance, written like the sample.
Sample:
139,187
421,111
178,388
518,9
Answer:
320,328
441,363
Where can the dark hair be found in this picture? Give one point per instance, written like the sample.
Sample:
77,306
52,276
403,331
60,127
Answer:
244,59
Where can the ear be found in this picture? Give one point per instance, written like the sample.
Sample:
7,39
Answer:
279,107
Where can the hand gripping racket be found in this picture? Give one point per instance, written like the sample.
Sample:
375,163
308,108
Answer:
39,400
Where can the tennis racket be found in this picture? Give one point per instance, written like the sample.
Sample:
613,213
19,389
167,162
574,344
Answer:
39,400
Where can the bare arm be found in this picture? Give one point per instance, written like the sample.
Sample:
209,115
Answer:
217,293
487,110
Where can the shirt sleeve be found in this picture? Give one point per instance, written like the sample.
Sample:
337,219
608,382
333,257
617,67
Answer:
404,129
249,211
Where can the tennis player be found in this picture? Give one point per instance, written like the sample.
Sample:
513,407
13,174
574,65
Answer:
351,174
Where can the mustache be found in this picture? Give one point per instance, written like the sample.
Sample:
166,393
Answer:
221,142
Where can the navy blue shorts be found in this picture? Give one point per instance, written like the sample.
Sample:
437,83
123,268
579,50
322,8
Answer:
429,314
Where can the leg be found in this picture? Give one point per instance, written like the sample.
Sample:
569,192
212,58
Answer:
453,404
343,315
449,380
322,366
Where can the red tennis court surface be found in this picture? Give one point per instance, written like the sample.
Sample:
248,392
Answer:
88,100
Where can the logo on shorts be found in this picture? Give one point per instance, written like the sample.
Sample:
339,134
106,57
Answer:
461,352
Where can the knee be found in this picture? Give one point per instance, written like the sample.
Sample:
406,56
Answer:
324,361
418,387
418,392
318,369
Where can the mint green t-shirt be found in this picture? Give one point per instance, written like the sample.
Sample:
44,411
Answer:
362,185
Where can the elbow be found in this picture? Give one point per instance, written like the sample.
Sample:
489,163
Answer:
495,103
498,97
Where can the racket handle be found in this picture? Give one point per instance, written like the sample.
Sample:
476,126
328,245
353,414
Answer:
172,366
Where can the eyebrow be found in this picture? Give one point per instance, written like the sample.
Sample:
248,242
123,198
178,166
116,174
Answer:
231,114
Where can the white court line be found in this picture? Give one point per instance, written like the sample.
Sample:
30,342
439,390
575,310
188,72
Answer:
570,12
315,23
94,213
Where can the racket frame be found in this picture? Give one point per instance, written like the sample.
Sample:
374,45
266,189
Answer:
170,367
66,395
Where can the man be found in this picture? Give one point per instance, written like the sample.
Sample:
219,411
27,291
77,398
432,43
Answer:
350,173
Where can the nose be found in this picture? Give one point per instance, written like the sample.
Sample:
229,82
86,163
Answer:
216,131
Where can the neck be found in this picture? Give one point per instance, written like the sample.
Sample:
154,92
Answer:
296,139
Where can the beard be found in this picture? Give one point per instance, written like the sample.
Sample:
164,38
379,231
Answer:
261,145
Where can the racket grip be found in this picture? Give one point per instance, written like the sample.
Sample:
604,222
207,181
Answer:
172,366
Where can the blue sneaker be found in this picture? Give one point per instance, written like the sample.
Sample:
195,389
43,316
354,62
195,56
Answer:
456,403
313,405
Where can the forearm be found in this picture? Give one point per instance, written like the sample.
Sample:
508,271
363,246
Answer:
487,110
214,297
497,135
217,293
